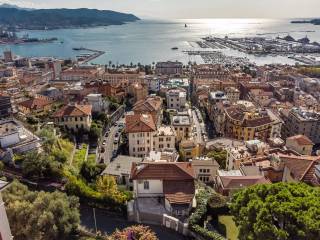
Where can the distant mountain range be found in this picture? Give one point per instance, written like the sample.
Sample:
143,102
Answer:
6,5
26,18
312,21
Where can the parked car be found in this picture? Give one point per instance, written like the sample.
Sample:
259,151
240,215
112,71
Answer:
116,135
116,141
104,142
114,154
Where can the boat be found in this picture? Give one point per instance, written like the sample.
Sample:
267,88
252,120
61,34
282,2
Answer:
78,48
174,48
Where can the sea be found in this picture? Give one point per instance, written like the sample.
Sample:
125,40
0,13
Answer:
149,41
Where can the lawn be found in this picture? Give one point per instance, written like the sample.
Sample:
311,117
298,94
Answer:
92,158
66,147
231,228
79,157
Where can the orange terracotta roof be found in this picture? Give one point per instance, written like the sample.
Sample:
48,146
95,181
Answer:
301,140
140,123
302,168
235,182
179,192
35,103
151,104
163,171
74,111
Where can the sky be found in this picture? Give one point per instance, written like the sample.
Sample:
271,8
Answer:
187,9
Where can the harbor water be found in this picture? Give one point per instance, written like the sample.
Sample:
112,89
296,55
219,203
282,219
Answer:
150,41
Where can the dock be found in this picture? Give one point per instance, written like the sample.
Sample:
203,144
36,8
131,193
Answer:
85,58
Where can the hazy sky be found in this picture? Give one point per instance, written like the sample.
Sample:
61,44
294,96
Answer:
191,8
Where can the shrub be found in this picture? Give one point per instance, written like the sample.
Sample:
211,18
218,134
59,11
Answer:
78,187
199,215
138,232
217,205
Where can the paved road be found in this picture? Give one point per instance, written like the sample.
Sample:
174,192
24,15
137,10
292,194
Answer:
197,125
109,143
108,223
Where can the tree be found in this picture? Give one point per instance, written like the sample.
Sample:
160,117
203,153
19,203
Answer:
40,215
90,171
279,211
220,156
42,165
95,131
35,165
138,232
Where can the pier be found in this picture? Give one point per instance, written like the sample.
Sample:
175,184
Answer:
85,58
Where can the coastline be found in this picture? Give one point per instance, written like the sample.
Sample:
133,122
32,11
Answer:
73,26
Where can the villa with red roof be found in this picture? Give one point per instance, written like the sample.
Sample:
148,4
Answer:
169,186
74,117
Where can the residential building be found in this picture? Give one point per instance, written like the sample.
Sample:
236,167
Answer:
151,105
298,121
245,124
164,138
176,99
35,105
229,182
5,106
81,73
210,71
172,184
8,56
300,143
242,153
182,125
175,83
17,138
5,232
52,93
153,83
233,94
120,168
123,76
166,155
169,68
301,169
139,91
74,117
190,149
140,129
97,102
56,68
205,169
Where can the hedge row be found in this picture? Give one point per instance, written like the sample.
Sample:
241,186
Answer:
199,215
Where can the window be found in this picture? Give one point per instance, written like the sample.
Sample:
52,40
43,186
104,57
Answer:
133,149
146,185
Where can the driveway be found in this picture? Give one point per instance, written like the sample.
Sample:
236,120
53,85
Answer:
108,223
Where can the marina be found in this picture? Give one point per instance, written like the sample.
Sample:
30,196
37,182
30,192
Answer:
302,50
